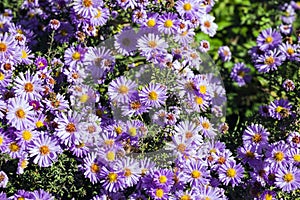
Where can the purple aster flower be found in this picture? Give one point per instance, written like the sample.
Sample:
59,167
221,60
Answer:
207,25
189,130
54,24
92,166
101,17
268,39
268,195
41,63
20,114
28,86
145,165
42,195
264,110
4,140
111,180
288,179
74,56
126,42
269,61
26,55
224,53
289,15
85,8
180,146
130,169
204,46
231,173
5,78
208,192
286,29
134,106
3,179
280,109
189,8
45,150
185,36
195,173
290,51
162,178
26,136
206,127
7,46
23,163
249,154
168,23
294,155
64,33
121,89
3,196
68,128
154,95
276,155
256,134
288,85
240,74
294,139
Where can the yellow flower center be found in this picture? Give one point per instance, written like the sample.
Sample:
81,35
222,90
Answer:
241,74
269,39
112,177
109,142
20,198
27,135
44,150
135,105
20,113
187,6
205,125
231,172
207,24
279,109
39,124
24,164
1,140
110,155
163,179
87,3
95,168
159,193
198,100
269,60
99,14
181,148
296,157
288,177
118,130
84,98
132,131
168,23
153,95
256,138
2,76
202,89
196,174
14,147
185,197
123,89
127,172
290,51
268,197
279,156
76,55
71,128
151,22
3,47
250,154
24,54
213,150
28,87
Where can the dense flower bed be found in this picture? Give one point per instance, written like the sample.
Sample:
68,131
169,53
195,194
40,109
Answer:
137,99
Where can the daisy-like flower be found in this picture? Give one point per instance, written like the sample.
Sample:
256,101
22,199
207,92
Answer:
256,134
74,56
28,86
294,139
268,39
269,61
290,51
224,53
180,146
126,42
151,44
154,95
26,136
134,106
92,166
111,180
189,8
279,109
208,26
159,193
288,85
130,169
185,37
85,8
294,155
204,46
162,178
189,130
240,74
231,173
288,179
26,55
276,155
68,128
45,150
195,173
3,179
41,63
249,154
121,89
151,20
7,46
4,140
5,79
20,114
101,17
268,195
206,128
23,163
209,192
41,195
168,23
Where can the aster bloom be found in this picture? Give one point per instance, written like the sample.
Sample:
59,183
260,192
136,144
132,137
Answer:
54,24
26,136
240,74
224,53
207,25
45,150
20,114
208,192
294,156
204,46
85,8
74,56
290,51
294,139
162,178
154,95
121,89
269,61
159,193
231,173
206,128
7,46
101,17
276,155
268,39
189,130
26,55
168,23
249,154
288,179
3,179
126,42
195,173
111,180
151,20
188,8
5,79
257,135
279,109
28,86
41,63
268,195
23,163
42,195
92,166
134,106
288,85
